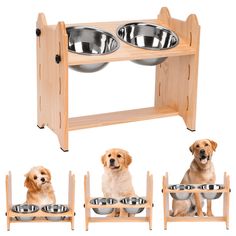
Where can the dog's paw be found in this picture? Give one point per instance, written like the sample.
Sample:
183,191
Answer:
209,214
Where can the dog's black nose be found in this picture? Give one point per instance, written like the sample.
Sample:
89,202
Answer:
43,180
112,162
202,151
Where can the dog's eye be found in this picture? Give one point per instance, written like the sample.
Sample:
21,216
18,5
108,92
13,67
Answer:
118,155
35,177
206,144
42,173
109,155
197,146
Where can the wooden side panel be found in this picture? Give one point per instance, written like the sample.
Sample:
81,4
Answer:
52,79
176,78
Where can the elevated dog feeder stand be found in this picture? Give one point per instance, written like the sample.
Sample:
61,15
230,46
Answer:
40,216
225,215
148,206
176,77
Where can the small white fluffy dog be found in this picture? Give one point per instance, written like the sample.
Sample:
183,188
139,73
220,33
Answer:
40,191
117,180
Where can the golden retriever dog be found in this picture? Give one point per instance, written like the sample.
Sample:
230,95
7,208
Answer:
117,180
40,191
201,171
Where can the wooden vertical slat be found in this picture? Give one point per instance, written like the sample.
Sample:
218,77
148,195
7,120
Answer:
8,199
165,199
71,197
86,199
149,197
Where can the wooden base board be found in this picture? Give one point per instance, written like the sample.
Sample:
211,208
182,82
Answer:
119,219
119,117
196,219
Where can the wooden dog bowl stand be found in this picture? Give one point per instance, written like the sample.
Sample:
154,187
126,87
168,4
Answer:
223,218
148,206
40,215
176,78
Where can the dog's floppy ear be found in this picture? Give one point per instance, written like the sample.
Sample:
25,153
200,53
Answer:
103,159
48,172
128,159
30,184
191,148
213,144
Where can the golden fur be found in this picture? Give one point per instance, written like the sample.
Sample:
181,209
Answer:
40,190
201,171
116,180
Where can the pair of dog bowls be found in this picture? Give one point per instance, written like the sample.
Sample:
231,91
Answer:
111,201
30,208
186,195
91,41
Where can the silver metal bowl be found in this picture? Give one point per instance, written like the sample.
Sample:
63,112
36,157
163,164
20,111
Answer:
211,195
25,209
55,209
148,36
181,195
103,202
133,201
90,41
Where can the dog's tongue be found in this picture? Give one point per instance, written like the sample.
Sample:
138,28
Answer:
204,161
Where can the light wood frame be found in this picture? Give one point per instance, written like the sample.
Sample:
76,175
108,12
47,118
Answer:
40,216
148,206
176,77
225,214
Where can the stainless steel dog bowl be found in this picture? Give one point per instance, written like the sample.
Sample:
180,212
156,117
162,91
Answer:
55,209
25,209
181,195
133,201
148,36
211,195
103,202
90,41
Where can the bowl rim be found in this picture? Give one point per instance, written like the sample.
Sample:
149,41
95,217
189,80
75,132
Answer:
221,186
145,201
147,24
65,206
185,185
99,198
24,212
96,29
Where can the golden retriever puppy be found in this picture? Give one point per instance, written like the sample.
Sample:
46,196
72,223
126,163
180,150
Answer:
201,171
40,190
117,180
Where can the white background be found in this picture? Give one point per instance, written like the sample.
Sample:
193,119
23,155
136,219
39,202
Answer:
158,145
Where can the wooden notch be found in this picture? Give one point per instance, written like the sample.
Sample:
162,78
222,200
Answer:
59,120
40,103
187,107
190,39
59,85
159,89
189,67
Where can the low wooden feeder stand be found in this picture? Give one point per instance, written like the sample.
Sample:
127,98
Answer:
225,215
148,206
40,216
